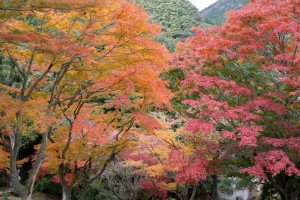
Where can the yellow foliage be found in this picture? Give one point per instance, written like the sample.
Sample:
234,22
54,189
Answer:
155,170
167,186
4,159
133,163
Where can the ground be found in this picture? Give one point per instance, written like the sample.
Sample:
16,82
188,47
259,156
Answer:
5,195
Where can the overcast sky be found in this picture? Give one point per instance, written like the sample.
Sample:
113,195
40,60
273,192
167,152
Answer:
201,4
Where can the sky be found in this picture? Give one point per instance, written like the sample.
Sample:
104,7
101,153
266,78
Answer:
201,4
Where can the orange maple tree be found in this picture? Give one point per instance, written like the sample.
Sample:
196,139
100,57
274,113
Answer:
68,54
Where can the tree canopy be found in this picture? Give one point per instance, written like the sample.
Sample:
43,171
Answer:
93,105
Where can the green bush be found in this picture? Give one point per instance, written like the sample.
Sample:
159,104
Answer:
95,192
45,185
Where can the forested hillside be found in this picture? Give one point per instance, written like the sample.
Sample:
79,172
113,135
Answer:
176,16
215,13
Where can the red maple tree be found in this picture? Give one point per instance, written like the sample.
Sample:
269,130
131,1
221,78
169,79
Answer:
242,81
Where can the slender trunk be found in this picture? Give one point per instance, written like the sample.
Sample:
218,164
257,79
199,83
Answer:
194,192
66,190
278,187
185,192
215,187
37,164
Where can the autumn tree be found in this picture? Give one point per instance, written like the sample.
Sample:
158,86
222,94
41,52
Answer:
242,82
67,54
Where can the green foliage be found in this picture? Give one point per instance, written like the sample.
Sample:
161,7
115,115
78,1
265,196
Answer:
174,78
169,42
5,196
33,21
143,194
96,191
225,186
8,74
45,185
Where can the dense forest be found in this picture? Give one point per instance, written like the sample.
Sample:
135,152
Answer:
176,17
124,100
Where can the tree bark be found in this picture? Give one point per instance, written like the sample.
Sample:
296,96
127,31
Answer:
15,140
38,163
185,192
25,191
215,187
278,188
288,187
66,190
66,193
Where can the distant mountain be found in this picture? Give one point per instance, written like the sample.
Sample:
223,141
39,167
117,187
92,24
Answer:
176,16
215,14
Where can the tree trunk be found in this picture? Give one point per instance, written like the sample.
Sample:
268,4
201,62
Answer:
15,140
185,192
25,191
37,164
287,191
66,193
66,190
194,192
296,194
290,196
215,187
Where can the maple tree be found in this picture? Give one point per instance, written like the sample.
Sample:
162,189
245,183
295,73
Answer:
242,82
68,54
